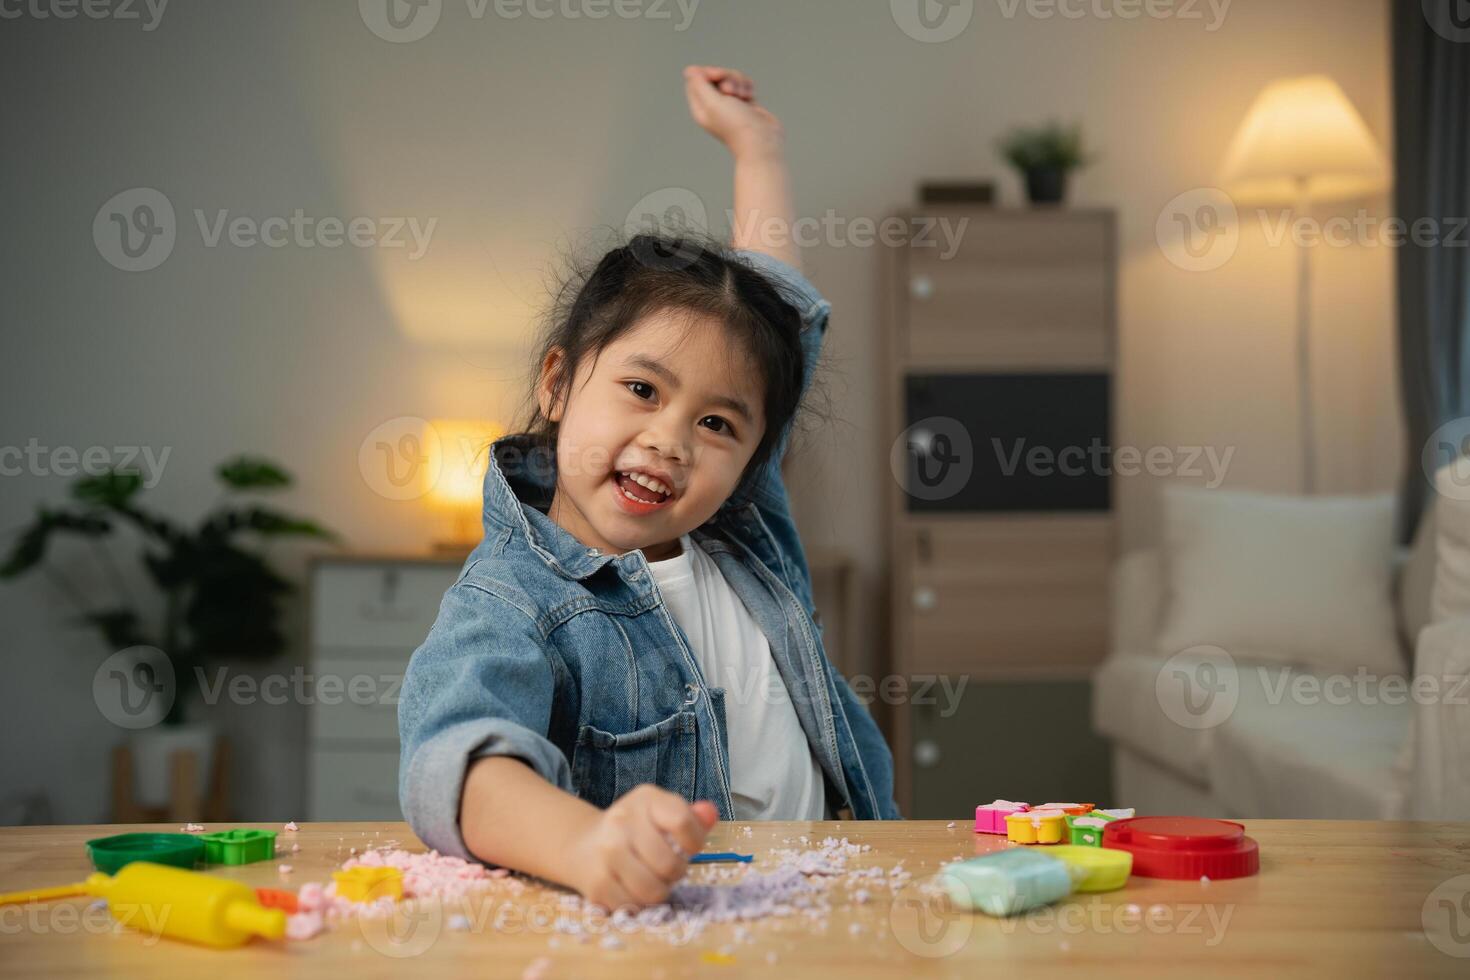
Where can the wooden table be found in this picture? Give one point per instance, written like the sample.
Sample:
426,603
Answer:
1333,898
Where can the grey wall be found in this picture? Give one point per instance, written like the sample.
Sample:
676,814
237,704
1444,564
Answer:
520,135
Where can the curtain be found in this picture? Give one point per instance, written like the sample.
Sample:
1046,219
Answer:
1431,96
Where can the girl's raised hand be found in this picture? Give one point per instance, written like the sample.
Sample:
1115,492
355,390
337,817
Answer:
722,101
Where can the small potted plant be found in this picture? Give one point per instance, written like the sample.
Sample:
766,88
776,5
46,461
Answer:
217,593
1045,155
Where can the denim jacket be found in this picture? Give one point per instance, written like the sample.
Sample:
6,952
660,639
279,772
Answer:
567,658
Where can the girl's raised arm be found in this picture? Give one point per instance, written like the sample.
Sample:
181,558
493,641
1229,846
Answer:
722,101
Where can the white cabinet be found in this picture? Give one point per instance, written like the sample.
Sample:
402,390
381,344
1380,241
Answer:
368,615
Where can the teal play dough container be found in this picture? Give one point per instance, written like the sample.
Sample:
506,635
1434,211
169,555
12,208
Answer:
1007,882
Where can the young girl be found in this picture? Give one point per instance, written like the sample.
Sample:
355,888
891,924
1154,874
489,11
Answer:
630,653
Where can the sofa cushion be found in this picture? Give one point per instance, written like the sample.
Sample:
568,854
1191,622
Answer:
1125,708
1288,742
1137,585
1325,756
1452,522
1285,579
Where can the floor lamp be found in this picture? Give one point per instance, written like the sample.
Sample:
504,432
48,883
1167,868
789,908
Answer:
1303,143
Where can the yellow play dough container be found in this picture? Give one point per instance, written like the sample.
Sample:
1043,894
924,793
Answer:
1036,827
1102,868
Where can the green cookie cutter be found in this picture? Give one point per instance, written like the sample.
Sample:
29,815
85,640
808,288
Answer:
242,846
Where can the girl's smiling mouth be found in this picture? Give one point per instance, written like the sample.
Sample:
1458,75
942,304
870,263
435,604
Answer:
639,494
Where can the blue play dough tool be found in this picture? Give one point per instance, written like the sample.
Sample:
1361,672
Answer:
712,857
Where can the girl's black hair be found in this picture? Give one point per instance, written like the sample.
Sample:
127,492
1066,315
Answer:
654,273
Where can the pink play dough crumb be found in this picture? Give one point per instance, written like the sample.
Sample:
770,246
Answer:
310,897
291,826
304,925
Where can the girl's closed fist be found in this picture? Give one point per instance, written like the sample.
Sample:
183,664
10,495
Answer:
722,101
640,846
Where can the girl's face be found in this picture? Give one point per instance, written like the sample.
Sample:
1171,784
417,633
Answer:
654,435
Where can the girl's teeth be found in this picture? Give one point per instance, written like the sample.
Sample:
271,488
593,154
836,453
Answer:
649,482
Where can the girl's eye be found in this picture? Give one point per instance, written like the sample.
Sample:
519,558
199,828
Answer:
642,389
716,424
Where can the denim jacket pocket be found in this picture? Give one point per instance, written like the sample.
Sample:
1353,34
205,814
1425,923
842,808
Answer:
605,766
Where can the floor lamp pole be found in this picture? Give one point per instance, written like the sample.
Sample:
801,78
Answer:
1304,344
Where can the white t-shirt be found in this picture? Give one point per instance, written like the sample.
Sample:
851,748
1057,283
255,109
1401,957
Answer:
773,774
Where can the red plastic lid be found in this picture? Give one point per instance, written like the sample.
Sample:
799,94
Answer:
1184,847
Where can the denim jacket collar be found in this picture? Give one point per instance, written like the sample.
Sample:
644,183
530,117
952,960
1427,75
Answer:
519,482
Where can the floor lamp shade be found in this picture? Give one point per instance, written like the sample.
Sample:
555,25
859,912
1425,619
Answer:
1303,131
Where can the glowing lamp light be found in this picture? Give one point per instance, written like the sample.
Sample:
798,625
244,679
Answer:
1303,138
458,452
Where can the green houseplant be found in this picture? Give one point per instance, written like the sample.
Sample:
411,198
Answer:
220,597
1045,155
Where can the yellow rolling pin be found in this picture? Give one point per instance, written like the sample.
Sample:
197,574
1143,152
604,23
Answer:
177,903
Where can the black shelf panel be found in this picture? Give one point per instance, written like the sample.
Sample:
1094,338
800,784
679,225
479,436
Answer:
1034,442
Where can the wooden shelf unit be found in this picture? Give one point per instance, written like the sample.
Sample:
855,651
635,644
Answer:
1013,595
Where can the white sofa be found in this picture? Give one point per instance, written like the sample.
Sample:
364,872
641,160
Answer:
1330,754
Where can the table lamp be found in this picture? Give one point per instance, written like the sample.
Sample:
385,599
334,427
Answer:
463,450
1302,142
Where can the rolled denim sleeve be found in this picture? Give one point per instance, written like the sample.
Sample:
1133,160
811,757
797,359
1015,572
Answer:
805,298
482,684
